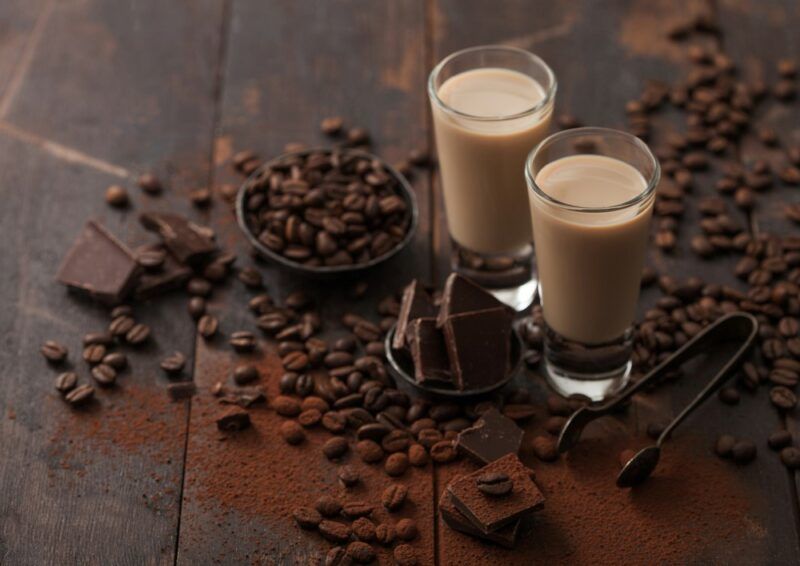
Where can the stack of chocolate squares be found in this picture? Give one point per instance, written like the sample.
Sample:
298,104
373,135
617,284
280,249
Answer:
464,344
105,269
491,502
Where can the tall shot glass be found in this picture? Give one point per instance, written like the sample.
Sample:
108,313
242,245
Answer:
491,105
591,196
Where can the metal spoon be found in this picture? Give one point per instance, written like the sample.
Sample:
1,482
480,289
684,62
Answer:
736,327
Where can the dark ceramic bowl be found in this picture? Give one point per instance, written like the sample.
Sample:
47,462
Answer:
405,192
401,367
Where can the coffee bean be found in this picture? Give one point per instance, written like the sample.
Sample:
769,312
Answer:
309,417
360,552
117,196
334,422
519,412
242,341
394,496
405,555
790,456
332,125
54,352
251,277
121,310
334,531
558,406
138,334
66,381
335,447
396,464
94,353
292,432
174,364
369,451
406,529
201,197
286,406
150,258
545,449
348,477
121,325
417,455
385,534
355,509
337,556
116,360
80,395
494,484
396,441
743,451
443,452
724,446
104,375
328,506
729,395
779,439
307,517
783,398
199,287
149,183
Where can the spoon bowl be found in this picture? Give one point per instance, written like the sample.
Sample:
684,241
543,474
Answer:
639,468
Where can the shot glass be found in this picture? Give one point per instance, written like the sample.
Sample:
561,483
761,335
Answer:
591,194
490,106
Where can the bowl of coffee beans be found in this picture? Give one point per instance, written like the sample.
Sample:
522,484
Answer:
327,211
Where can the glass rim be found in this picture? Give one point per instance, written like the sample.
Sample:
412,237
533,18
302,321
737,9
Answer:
646,193
549,94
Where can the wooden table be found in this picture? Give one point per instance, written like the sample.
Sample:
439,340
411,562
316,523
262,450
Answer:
94,92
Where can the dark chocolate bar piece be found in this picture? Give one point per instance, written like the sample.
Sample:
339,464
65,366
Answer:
492,513
431,364
187,241
491,438
456,520
99,265
478,345
462,295
170,276
416,303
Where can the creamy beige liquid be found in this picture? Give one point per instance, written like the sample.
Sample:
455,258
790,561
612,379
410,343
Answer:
482,161
590,263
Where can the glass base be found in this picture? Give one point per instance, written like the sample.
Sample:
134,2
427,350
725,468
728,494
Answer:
518,298
596,387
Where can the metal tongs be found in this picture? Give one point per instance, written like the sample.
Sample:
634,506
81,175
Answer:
738,327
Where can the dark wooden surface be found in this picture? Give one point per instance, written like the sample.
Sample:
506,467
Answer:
94,92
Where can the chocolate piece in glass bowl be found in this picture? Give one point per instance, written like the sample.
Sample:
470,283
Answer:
429,353
416,303
492,437
478,345
461,295
492,513
99,265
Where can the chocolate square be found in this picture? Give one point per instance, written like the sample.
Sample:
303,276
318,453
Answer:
456,520
431,363
491,513
478,345
493,436
99,265
187,241
462,295
416,303
172,275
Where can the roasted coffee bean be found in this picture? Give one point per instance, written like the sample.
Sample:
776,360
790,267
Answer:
328,506
243,341
553,425
724,446
309,417
117,196
94,353
251,277
337,556
334,422
138,334
334,531
174,364
181,390
417,455
494,484
443,452
519,412
196,307
66,381
729,395
243,375
305,385
200,197
779,439
207,326
307,517
790,456
332,125
360,552
348,477
272,322
783,398
116,360
149,183
394,496
104,375
355,509
335,447
80,395
744,451
286,406
352,400
444,411
396,464
292,432
369,451
199,287
545,449
121,310
405,555
406,529
385,534
372,431
314,402
54,352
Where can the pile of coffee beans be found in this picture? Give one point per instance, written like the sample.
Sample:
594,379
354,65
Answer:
327,208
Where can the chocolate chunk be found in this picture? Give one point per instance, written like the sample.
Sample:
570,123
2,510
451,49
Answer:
187,241
461,295
490,514
492,437
172,275
428,351
233,419
478,345
181,390
99,266
416,303
504,536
